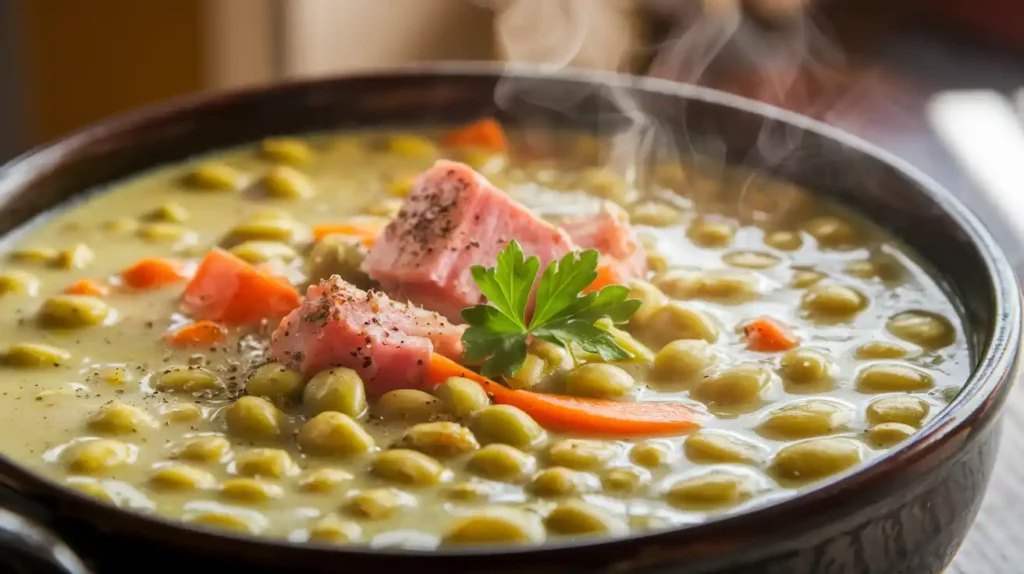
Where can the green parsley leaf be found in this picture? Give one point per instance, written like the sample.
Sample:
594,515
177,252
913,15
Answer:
507,285
498,331
561,284
493,334
589,338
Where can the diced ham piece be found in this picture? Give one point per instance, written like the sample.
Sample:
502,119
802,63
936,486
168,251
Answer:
610,233
452,220
388,343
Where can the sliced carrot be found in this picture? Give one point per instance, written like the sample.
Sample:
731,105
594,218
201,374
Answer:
153,273
563,413
767,335
198,334
88,287
230,291
485,133
366,232
607,274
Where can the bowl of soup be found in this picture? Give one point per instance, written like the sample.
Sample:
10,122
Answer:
382,322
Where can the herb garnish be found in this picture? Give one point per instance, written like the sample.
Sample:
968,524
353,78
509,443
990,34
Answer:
315,317
499,330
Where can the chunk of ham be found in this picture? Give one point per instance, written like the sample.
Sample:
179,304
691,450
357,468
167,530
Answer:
610,233
452,220
387,342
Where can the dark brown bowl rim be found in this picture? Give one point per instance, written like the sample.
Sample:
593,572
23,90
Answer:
985,389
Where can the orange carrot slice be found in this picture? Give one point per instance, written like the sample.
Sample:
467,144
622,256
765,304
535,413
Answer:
228,290
198,334
607,274
572,414
364,231
153,273
767,335
88,287
485,133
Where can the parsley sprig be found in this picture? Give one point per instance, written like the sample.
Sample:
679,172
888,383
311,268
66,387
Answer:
498,331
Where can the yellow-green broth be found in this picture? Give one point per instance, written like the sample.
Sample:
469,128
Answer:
693,225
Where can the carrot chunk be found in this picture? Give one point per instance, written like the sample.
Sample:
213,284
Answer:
153,273
230,291
198,334
485,133
88,287
366,232
607,274
767,335
572,414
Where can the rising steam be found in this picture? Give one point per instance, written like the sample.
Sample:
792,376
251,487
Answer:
714,42
559,34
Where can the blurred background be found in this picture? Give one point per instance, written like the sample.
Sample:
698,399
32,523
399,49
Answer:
65,63
937,82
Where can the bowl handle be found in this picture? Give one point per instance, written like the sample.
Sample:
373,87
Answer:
26,543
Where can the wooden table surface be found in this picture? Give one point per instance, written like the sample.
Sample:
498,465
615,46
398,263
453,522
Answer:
995,544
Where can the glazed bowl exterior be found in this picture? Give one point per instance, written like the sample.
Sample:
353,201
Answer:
907,512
